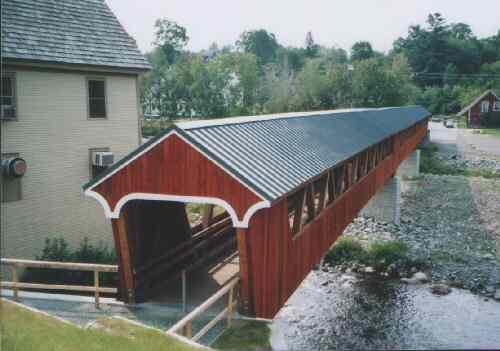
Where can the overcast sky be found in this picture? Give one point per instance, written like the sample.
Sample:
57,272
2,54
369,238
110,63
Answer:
333,22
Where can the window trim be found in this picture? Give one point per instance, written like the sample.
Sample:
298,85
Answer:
485,103
496,106
87,95
20,191
12,74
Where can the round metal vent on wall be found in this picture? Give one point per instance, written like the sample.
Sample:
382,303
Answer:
14,167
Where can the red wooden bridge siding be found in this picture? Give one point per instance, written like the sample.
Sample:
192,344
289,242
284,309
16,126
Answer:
176,168
273,263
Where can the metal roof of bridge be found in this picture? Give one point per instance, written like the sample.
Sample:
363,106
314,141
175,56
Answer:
273,154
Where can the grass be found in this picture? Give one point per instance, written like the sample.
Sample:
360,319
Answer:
244,335
461,123
379,255
25,330
491,131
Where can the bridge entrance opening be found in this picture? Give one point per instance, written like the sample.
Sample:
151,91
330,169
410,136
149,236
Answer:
180,253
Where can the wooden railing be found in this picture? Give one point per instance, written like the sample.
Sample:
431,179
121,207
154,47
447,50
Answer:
16,285
185,325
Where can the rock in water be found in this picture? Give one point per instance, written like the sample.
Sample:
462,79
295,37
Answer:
440,289
419,277
497,295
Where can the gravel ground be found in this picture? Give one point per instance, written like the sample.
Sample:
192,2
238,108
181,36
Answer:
453,223
469,160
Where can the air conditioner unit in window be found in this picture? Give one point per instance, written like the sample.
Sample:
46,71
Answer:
103,159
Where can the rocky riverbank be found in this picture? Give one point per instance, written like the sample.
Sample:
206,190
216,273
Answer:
452,224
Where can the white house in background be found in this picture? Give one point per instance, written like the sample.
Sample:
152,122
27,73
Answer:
69,106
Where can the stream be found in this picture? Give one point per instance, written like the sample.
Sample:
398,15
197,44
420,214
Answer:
333,311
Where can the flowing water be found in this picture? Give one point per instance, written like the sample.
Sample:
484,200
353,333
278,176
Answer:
333,311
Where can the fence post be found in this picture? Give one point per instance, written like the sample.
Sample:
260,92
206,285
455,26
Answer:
184,292
230,307
14,282
96,286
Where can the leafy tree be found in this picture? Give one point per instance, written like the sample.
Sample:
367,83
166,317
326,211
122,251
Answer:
170,37
461,31
260,43
402,71
374,86
311,47
340,84
278,92
450,74
312,90
247,73
291,59
361,50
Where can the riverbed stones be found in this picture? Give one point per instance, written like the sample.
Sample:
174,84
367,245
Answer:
416,278
440,289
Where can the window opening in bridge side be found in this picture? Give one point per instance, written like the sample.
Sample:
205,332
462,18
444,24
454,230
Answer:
339,180
308,210
295,203
330,187
319,187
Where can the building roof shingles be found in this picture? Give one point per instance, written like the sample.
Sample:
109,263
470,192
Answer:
82,32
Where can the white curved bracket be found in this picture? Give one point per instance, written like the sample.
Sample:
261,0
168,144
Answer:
179,198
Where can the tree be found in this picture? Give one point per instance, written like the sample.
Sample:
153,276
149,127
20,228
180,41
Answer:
311,47
450,74
340,85
170,37
461,31
260,43
403,73
247,74
374,86
312,90
361,50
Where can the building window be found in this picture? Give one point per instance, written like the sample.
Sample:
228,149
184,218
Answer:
496,106
485,106
94,170
8,96
11,186
97,98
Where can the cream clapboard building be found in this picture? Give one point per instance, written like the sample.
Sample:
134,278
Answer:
69,89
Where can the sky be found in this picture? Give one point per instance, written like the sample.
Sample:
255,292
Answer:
338,23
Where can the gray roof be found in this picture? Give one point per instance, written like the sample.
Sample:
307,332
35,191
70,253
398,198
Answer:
274,154
67,31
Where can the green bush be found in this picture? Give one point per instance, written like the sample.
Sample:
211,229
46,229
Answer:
379,255
383,254
346,250
57,249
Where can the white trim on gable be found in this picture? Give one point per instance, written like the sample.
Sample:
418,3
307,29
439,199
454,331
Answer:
476,100
115,213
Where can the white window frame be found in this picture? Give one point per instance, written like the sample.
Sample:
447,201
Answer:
485,106
496,106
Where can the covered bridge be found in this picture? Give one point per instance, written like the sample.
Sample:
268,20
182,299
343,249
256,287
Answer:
289,184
